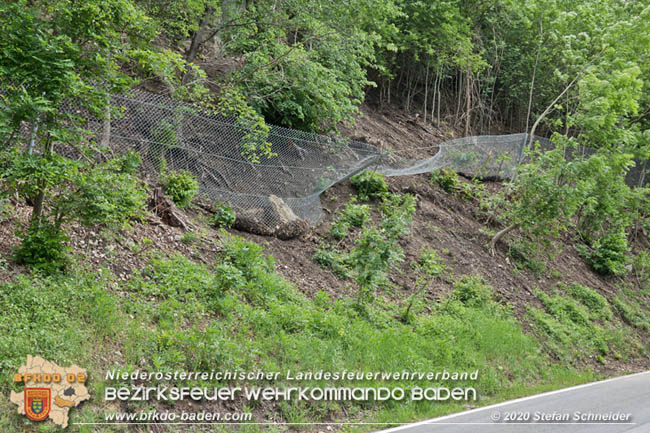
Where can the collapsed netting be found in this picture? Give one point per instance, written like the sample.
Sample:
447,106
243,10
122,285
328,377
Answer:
210,146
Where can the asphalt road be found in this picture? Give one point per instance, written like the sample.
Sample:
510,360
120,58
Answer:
627,396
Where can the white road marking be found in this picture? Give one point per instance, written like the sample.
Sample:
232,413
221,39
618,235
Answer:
530,397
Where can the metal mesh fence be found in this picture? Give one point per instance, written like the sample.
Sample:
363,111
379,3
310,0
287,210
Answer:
488,156
209,145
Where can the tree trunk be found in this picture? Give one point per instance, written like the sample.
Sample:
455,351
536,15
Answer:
557,98
12,135
37,210
197,41
426,95
106,132
468,97
642,175
433,98
548,110
501,234
459,88
390,84
532,86
32,135
438,105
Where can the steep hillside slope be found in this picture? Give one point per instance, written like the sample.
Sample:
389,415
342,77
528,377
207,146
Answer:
456,227
156,298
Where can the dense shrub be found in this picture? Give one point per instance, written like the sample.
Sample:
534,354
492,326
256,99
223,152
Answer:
608,204
630,311
607,254
541,200
397,211
354,215
445,178
641,267
339,229
596,303
64,190
369,184
5,209
525,253
579,326
122,200
376,249
472,291
427,267
43,246
180,186
224,216
330,258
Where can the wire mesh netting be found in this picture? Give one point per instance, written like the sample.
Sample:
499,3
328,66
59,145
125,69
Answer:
488,156
209,145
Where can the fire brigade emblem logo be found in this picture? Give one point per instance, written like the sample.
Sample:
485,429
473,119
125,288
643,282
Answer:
37,403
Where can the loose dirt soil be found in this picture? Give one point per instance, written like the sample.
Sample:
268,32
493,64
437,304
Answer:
453,226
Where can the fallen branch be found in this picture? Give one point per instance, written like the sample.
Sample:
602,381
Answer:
501,234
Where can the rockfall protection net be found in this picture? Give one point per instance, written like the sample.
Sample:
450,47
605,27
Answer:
210,146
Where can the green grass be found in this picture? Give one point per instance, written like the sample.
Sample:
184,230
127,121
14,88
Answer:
238,313
630,310
577,323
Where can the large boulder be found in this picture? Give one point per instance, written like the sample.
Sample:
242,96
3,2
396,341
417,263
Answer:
286,223
276,220
280,212
253,221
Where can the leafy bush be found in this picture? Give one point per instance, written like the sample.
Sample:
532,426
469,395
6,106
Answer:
472,291
565,308
180,186
356,214
428,267
569,324
64,190
397,213
429,264
43,246
339,229
641,267
353,215
255,267
607,255
330,258
189,238
445,178
541,200
369,184
630,311
372,256
5,209
95,203
224,216
607,201
596,303
550,192
376,249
